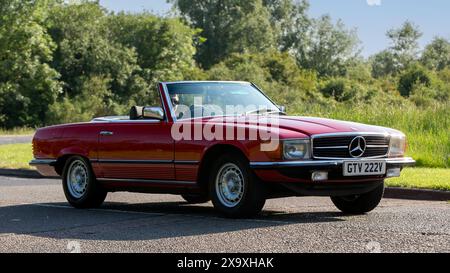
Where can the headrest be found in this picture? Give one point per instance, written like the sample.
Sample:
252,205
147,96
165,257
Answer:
136,112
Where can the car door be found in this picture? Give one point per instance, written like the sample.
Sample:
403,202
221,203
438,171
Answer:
136,150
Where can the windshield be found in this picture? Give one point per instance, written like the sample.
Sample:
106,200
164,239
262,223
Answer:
192,100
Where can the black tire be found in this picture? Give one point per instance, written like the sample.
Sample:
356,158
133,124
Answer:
360,204
195,198
253,194
93,194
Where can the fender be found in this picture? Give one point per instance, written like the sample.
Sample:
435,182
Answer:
81,151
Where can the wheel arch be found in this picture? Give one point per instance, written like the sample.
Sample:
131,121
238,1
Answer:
62,160
208,160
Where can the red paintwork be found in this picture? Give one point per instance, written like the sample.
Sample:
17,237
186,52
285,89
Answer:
136,141
153,141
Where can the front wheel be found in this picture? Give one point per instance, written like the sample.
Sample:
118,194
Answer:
80,186
235,191
360,204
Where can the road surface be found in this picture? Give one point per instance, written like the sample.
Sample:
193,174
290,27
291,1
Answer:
34,217
15,139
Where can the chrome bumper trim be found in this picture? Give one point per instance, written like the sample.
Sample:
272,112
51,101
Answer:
407,161
49,162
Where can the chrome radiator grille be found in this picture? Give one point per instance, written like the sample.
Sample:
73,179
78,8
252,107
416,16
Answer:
338,146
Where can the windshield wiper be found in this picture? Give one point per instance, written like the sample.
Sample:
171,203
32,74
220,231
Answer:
265,110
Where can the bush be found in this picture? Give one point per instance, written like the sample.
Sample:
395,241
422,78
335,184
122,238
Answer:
345,90
443,91
95,100
360,72
422,95
414,75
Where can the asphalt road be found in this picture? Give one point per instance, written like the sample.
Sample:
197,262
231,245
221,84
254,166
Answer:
35,218
15,139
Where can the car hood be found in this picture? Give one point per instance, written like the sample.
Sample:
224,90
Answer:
295,126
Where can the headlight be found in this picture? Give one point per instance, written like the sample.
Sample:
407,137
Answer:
297,149
397,146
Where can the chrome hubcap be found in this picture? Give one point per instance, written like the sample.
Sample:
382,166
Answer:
77,179
230,185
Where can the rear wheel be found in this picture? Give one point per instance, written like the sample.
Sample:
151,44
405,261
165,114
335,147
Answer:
195,198
80,186
360,204
235,191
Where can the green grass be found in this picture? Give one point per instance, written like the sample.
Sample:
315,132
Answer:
422,178
15,156
16,131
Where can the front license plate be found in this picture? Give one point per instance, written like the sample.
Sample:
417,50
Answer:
364,168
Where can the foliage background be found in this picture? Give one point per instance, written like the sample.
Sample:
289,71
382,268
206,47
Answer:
66,61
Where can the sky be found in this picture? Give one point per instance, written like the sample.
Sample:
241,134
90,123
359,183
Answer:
371,18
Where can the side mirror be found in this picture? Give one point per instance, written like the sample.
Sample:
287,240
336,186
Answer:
153,113
282,108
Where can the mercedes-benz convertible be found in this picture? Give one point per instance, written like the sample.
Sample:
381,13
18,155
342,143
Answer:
221,141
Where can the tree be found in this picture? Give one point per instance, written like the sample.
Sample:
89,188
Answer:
437,54
229,26
164,47
403,51
86,48
383,64
290,22
414,75
330,49
27,83
275,72
405,43
236,26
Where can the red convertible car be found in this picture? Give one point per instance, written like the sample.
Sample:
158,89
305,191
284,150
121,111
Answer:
221,141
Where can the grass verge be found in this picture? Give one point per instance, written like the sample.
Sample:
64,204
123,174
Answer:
15,156
422,178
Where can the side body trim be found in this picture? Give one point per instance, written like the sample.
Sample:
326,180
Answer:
145,181
119,161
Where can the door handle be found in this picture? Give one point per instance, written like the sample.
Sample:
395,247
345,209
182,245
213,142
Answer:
106,133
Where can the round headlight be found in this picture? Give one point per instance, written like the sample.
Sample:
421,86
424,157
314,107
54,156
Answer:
296,149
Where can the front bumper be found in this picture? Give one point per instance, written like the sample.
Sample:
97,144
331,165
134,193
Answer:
328,164
296,176
301,171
